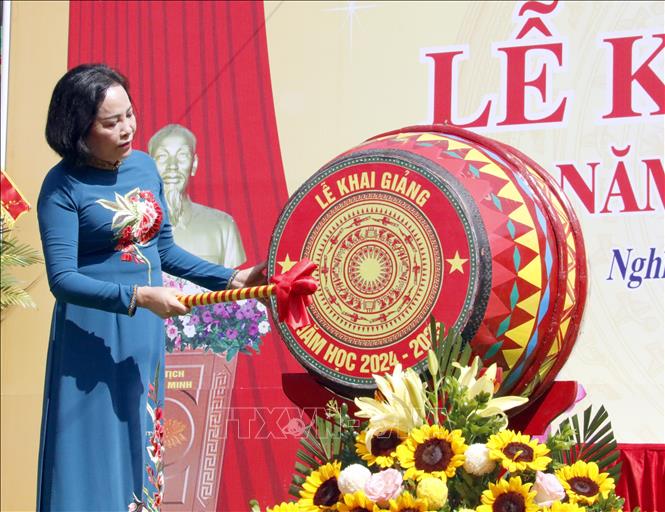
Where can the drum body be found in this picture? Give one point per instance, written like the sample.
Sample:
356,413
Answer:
434,221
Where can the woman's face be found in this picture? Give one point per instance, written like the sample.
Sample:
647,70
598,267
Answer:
112,131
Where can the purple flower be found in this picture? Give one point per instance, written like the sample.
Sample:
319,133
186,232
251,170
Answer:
231,334
178,343
194,320
219,308
253,330
207,317
247,310
239,315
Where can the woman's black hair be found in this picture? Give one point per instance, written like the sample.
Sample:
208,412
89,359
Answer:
74,105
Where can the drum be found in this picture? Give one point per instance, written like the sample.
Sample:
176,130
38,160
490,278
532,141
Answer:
433,221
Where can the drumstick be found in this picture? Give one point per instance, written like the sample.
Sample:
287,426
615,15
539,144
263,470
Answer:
293,292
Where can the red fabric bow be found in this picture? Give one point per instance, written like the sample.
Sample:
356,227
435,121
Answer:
294,293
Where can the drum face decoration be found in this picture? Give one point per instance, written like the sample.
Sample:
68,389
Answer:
433,221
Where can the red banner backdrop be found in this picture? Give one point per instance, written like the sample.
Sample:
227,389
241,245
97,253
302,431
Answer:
643,467
205,65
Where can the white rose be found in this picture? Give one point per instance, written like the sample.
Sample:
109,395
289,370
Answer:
189,330
478,460
353,478
384,486
548,489
263,327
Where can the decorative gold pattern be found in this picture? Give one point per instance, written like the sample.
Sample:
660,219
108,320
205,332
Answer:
379,269
174,433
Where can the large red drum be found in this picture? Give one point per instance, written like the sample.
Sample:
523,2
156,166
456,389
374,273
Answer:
434,221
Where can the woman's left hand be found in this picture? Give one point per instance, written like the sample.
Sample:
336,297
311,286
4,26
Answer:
252,276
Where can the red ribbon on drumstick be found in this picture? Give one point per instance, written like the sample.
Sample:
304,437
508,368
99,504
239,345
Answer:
293,291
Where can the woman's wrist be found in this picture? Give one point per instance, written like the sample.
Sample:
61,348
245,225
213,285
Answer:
233,283
142,293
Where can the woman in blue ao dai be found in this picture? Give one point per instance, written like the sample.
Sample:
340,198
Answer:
106,240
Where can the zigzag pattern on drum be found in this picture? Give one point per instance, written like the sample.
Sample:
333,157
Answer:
520,241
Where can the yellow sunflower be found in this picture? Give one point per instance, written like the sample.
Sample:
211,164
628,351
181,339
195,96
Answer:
518,452
583,482
357,502
511,495
380,447
431,450
284,507
407,503
557,506
320,491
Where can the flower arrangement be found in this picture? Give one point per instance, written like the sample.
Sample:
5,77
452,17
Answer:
442,443
227,327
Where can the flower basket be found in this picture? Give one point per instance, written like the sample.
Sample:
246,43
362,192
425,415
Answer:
226,328
440,442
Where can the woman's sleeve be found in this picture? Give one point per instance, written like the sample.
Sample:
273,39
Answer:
178,262
59,228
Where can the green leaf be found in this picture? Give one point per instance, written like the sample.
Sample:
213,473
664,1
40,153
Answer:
312,448
320,444
594,442
16,254
155,382
294,490
14,296
449,348
312,462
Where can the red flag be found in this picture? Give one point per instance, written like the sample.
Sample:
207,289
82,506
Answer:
13,202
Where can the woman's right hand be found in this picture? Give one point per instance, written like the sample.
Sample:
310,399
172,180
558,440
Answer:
161,301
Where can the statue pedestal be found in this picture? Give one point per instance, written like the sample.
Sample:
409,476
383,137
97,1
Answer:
198,395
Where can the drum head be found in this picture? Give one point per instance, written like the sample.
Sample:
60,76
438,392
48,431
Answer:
397,239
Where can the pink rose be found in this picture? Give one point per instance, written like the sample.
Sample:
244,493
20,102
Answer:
383,486
548,489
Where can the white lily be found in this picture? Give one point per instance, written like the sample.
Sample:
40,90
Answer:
403,404
467,375
432,363
486,384
502,404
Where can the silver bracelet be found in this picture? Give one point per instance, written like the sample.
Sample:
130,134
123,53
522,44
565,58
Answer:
233,276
